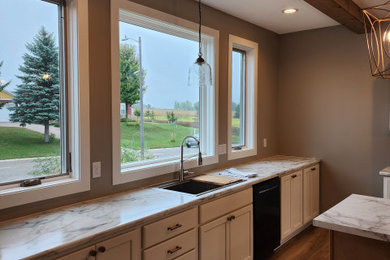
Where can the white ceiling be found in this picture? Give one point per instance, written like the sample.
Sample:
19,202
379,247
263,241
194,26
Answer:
268,14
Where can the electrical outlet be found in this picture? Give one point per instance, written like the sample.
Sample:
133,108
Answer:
265,142
96,169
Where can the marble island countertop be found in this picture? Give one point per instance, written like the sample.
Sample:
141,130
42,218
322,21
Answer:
359,215
385,172
59,230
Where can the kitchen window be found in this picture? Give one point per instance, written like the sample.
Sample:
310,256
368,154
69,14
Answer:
152,52
242,103
44,147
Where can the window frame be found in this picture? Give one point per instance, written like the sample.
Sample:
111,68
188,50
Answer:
77,79
141,15
251,85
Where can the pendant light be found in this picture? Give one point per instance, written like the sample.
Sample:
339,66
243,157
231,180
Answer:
200,72
377,28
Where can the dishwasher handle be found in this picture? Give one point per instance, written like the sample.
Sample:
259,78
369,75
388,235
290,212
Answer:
269,189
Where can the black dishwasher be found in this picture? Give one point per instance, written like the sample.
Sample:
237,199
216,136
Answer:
266,218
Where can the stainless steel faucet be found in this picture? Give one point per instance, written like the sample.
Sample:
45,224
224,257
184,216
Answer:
200,160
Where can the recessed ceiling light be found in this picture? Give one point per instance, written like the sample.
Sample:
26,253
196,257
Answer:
290,11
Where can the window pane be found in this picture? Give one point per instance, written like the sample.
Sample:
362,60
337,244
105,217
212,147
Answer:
170,106
238,98
30,131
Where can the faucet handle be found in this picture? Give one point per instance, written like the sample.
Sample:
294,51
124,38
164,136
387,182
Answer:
186,172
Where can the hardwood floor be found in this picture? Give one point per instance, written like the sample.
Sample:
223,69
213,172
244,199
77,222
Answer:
311,244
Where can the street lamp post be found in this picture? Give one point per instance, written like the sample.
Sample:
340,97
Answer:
141,95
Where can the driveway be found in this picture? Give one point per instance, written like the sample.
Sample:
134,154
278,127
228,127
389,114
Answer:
34,127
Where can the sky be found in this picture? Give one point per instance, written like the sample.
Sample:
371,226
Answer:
20,21
165,58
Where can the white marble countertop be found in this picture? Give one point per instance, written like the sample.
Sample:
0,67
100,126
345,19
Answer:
359,215
59,230
385,172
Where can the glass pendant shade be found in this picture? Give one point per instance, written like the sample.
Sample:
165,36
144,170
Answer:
200,74
377,28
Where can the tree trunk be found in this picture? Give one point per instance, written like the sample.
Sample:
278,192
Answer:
127,113
46,139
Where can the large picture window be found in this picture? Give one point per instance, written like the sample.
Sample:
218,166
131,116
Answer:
44,126
33,125
154,107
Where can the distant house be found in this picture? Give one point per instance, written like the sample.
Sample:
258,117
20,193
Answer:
5,97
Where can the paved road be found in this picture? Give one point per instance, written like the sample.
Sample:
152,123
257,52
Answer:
18,169
35,128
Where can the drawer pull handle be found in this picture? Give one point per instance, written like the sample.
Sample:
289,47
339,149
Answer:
294,176
313,169
172,251
231,218
102,249
174,227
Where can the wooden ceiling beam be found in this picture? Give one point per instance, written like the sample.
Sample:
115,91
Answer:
346,12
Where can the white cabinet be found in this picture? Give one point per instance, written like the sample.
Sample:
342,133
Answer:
229,236
291,203
311,193
123,247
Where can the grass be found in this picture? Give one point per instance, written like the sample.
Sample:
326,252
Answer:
16,142
157,135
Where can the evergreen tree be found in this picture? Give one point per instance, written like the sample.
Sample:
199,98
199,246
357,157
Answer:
2,85
37,99
129,69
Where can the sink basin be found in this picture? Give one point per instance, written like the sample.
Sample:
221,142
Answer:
191,187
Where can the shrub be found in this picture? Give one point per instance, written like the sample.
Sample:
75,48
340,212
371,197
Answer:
128,155
46,166
52,137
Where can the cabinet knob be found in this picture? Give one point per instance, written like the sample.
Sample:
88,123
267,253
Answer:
92,253
171,228
231,218
294,176
174,250
102,249
313,169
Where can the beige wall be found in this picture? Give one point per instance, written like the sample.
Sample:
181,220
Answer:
330,107
100,89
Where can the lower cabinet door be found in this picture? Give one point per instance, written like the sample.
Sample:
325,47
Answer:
123,247
241,234
213,240
83,254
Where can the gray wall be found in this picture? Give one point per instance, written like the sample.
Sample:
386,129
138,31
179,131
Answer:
330,107
100,92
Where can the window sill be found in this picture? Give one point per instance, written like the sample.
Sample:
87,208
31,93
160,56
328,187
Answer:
136,173
243,153
14,195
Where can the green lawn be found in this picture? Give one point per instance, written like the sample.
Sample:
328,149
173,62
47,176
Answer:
18,142
157,135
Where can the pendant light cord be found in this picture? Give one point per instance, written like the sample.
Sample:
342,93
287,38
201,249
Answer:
200,29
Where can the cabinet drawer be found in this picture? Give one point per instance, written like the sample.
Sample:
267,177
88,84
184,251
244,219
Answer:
192,255
170,227
219,207
173,247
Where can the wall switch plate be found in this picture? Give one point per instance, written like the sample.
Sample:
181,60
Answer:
265,142
96,169
222,149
